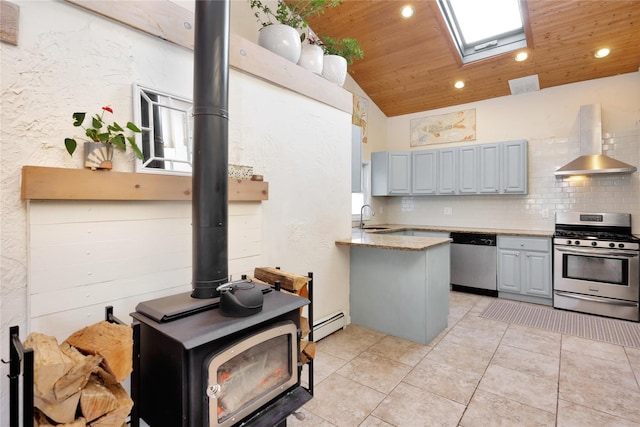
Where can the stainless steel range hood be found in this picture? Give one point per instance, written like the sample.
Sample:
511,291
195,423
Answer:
592,161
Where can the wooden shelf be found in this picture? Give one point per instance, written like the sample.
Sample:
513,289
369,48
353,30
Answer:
45,183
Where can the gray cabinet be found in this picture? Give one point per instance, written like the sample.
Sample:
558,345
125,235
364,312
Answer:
497,168
399,292
447,171
489,168
424,172
390,173
524,268
503,168
468,169
514,167
356,159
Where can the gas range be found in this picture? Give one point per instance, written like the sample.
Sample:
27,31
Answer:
596,265
596,230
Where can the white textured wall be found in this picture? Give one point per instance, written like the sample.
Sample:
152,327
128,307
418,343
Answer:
548,119
68,59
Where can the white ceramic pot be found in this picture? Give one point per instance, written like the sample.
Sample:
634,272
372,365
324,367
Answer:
282,40
311,58
334,69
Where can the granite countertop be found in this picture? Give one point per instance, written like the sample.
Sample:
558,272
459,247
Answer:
376,236
450,229
373,239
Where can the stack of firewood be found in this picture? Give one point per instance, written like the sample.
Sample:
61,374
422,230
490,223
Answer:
295,284
77,383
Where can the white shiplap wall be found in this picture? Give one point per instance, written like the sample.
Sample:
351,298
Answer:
85,255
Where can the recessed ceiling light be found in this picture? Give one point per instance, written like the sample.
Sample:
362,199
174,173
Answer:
521,56
459,84
407,11
601,53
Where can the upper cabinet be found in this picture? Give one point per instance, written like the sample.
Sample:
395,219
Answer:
503,168
497,168
447,167
424,176
514,167
489,173
391,173
468,169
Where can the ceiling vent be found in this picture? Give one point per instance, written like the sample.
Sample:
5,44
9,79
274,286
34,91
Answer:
524,85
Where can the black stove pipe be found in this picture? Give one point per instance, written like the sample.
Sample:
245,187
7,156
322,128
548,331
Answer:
210,147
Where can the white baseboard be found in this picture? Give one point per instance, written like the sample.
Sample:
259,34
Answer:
328,325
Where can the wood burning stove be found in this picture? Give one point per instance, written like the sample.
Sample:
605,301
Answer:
191,367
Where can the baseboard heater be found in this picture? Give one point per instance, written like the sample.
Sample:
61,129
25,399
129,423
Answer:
328,325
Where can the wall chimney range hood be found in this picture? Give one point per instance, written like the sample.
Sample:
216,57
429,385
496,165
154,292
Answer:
592,161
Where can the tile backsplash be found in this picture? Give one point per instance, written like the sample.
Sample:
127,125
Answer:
547,194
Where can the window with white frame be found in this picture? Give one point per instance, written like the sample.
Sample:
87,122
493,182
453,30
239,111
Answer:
481,29
166,140
363,197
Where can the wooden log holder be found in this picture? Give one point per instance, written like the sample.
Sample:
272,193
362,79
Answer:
301,286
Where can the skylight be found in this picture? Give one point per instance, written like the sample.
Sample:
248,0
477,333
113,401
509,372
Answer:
482,29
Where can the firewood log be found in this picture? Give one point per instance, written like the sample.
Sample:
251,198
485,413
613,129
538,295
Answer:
79,422
49,364
77,377
106,378
60,412
288,281
117,417
96,399
113,342
41,420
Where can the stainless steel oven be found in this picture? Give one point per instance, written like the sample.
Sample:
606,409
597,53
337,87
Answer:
596,265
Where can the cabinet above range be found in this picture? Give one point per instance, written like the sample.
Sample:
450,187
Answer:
497,168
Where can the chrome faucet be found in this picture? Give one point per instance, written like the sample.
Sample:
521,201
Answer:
361,210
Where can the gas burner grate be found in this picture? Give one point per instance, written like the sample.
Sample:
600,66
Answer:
595,235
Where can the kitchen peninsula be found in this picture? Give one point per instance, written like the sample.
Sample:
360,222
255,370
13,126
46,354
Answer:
399,284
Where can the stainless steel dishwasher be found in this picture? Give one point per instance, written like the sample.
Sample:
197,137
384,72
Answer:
474,263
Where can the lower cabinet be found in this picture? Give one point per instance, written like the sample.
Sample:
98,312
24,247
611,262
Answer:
524,268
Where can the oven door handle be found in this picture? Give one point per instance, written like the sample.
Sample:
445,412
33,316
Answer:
590,251
595,299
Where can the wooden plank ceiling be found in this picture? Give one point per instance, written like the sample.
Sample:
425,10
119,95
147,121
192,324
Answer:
411,65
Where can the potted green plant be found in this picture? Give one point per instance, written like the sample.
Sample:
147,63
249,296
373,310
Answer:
280,27
339,53
102,138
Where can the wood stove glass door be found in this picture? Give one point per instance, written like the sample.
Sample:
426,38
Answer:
250,373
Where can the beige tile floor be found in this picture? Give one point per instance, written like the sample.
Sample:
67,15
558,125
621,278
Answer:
478,372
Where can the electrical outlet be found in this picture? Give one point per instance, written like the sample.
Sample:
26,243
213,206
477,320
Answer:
448,211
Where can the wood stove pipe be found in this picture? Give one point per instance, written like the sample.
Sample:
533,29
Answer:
210,147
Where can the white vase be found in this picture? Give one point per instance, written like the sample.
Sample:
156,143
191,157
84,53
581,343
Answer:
282,40
311,58
334,69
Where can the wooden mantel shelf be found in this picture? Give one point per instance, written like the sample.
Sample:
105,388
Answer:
45,183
